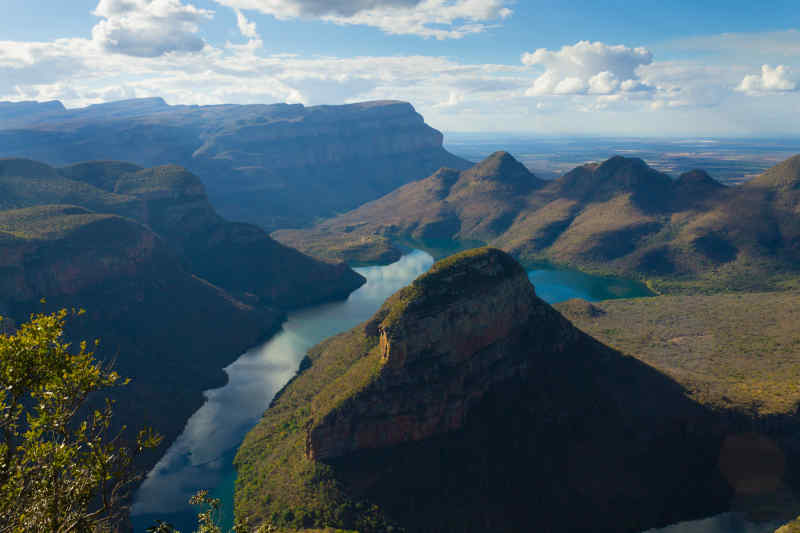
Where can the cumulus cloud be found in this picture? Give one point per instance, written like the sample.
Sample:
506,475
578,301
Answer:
439,19
148,28
587,68
771,80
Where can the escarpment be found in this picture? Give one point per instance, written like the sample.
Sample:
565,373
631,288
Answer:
468,404
273,165
442,343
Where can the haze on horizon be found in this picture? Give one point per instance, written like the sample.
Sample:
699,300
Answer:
634,68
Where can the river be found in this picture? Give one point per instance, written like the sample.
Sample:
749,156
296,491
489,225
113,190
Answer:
202,456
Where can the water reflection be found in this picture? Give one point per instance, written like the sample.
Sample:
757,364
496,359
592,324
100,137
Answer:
202,455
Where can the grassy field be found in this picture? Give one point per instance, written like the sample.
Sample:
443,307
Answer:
737,351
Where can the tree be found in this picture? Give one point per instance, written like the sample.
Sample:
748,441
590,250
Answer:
208,518
62,466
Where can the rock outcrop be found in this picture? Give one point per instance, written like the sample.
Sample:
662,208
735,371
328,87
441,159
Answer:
469,404
274,165
443,343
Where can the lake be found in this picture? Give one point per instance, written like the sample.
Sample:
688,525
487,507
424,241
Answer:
202,456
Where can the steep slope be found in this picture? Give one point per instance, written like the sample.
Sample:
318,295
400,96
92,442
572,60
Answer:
468,404
274,165
619,216
170,200
478,204
158,323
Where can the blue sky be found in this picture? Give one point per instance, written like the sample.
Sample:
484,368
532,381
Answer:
607,68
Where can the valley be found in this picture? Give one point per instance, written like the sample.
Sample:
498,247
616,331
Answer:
670,349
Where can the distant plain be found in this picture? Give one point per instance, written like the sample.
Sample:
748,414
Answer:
730,161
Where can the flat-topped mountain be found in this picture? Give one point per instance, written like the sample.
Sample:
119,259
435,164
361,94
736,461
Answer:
619,216
174,291
275,165
468,404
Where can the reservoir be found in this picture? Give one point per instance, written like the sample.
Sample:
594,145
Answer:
202,456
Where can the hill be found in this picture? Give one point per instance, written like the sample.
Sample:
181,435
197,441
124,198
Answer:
468,404
158,323
616,217
273,165
174,291
172,202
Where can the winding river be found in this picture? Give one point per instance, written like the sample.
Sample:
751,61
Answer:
202,456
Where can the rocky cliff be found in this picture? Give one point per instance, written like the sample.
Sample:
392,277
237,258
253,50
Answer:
275,165
468,404
443,343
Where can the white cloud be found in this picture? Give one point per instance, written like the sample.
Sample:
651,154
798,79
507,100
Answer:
771,80
440,19
148,28
586,67
247,28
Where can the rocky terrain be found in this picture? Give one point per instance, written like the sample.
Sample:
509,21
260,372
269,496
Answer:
620,216
468,404
273,165
173,291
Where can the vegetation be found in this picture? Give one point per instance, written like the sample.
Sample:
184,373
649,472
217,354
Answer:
731,351
690,235
284,488
62,467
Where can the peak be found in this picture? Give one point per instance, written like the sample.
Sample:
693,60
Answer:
697,178
618,162
457,277
503,168
486,263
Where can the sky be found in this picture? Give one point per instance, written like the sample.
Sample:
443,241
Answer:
576,67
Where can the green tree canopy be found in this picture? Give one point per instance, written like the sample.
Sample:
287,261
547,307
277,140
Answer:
62,466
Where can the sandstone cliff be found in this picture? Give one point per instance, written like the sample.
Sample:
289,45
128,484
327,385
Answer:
468,404
274,165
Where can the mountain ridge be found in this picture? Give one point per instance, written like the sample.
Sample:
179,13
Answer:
274,165
617,217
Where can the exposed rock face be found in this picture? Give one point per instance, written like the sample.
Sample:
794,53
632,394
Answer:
275,165
467,404
439,355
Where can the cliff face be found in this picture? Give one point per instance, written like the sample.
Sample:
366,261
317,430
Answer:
469,404
439,356
273,165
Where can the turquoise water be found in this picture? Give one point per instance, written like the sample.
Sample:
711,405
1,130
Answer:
202,456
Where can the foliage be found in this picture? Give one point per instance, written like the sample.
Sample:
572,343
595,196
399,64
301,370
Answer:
731,351
62,469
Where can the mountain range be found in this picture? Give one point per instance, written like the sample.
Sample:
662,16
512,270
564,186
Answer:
275,165
616,217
